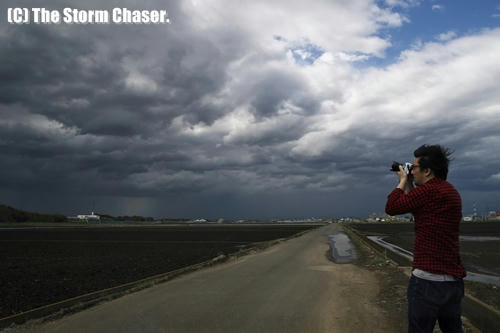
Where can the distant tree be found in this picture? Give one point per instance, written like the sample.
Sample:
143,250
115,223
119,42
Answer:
10,214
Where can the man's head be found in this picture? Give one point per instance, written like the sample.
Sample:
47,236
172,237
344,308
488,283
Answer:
430,161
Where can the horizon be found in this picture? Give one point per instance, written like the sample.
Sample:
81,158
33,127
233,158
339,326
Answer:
372,215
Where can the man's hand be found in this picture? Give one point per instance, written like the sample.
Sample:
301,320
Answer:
405,181
402,174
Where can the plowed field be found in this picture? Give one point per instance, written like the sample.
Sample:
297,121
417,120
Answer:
39,266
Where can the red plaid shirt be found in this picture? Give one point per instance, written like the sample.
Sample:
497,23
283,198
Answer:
437,209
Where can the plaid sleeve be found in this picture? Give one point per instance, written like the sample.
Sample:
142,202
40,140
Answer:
400,203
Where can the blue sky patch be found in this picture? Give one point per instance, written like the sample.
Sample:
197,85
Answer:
306,54
432,20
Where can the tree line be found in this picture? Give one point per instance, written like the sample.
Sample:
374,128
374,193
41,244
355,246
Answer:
10,214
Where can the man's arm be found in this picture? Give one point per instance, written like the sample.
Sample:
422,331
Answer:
405,181
405,198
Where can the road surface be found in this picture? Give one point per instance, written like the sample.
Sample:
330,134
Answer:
290,287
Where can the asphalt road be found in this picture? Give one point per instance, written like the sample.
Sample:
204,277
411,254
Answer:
290,287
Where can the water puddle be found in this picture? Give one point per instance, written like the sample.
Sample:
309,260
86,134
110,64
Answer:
343,251
479,239
394,248
483,278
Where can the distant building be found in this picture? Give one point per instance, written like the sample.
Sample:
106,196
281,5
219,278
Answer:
494,214
89,218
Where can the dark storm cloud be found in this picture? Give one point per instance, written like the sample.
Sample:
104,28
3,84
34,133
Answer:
271,90
77,102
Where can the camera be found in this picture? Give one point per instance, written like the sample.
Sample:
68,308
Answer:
406,167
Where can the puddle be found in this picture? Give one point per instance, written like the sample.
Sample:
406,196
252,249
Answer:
394,248
482,270
479,239
483,278
343,251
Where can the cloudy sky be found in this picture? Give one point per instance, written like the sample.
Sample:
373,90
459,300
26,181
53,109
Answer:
247,109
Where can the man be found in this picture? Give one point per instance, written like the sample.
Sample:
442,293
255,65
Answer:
436,287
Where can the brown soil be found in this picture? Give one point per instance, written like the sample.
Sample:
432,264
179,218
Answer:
47,265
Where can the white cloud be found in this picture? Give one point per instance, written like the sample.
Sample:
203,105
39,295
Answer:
140,83
334,26
450,83
437,8
440,84
39,125
496,15
447,36
402,3
352,57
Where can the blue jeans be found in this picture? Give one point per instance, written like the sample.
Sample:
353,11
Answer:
429,301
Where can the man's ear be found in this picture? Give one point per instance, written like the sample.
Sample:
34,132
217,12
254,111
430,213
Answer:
428,172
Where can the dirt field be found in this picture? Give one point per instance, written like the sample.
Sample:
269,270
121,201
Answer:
45,265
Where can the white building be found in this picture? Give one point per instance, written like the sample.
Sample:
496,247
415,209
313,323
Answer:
92,217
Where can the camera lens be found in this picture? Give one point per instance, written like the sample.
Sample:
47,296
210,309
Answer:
395,166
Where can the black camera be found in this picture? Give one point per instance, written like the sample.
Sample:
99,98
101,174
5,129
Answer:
406,167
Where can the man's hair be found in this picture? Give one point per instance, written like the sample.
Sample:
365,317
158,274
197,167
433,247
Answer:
434,157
